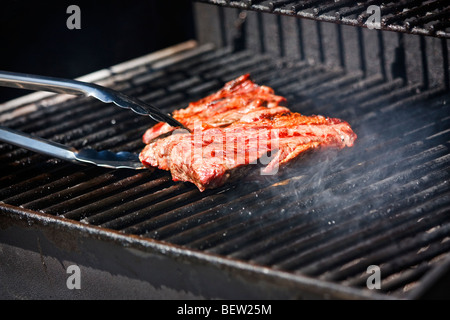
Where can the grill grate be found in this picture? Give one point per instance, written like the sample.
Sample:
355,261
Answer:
410,16
384,201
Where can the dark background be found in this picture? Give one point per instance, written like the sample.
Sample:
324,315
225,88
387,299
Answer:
34,37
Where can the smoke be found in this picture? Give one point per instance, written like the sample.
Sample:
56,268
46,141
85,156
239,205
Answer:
388,165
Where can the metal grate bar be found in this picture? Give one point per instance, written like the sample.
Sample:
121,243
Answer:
10,188
121,213
302,5
389,253
393,8
439,26
300,261
411,276
407,16
332,6
123,180
401,235
416,12
138,216
106,203
153,226
270,5
435,16
354,88
357,9
435,241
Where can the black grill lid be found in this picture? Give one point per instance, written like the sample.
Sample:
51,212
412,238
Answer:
429,18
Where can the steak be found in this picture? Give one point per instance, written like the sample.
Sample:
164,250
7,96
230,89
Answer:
241,125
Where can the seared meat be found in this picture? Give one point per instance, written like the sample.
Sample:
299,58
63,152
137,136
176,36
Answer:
236,99
240,125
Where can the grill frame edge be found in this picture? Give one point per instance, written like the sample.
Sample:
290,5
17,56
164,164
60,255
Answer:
73,242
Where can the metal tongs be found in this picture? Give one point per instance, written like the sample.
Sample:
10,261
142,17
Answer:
100,158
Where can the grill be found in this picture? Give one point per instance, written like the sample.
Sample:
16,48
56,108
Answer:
312,231
417,17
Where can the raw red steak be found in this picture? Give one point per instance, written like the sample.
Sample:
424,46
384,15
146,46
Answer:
240,125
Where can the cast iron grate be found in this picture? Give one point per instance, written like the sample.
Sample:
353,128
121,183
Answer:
429,18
